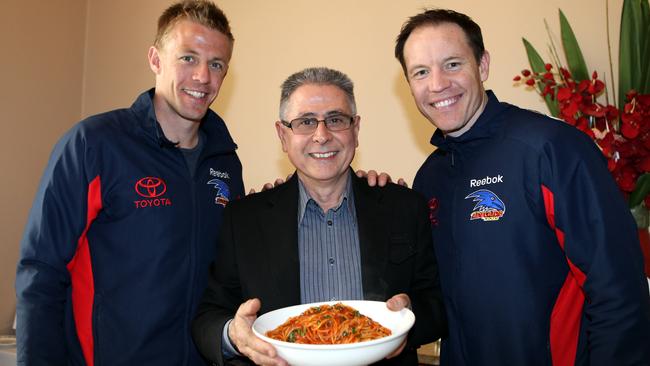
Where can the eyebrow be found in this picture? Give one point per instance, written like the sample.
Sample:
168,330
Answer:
327,114
418,66
445,60
454,58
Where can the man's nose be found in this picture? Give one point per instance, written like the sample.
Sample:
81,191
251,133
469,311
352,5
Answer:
202,73
438,81
321,134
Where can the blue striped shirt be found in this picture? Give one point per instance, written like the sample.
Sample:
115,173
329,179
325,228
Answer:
329,253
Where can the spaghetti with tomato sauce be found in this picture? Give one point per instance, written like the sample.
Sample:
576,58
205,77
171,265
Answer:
329,324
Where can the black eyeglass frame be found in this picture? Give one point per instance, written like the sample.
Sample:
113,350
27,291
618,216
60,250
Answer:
343,116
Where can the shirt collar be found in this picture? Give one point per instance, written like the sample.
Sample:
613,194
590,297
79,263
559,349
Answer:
304,198
484,126
218,139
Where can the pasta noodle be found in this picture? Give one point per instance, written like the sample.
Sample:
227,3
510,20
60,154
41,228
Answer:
329,324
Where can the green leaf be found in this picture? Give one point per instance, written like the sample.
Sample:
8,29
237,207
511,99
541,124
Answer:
640,215
537,65
644,88
634,49
644,85
574,58
641,189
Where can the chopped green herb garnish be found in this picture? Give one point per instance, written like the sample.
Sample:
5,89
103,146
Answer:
292,336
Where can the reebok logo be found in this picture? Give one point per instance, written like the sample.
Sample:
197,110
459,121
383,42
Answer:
486,180
218,174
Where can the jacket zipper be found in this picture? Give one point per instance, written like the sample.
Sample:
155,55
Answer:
191,177
193,253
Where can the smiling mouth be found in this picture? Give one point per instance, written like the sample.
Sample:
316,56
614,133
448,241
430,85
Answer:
445,102
195,94
324,155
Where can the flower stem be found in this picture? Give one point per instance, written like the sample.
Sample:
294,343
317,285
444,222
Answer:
609,52
552,49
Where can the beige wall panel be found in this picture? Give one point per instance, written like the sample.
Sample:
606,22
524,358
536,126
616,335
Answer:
119,35
42,69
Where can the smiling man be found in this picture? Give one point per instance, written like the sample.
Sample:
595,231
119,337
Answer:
117,247
539,258
324,235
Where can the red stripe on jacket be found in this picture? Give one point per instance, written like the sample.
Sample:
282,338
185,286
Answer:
81,273
567,311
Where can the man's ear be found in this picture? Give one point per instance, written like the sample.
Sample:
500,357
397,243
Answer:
154,60
484,66
279,128
356,127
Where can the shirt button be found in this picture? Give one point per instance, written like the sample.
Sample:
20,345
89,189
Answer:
329,222
331,261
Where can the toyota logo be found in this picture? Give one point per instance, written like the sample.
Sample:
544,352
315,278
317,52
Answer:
150,187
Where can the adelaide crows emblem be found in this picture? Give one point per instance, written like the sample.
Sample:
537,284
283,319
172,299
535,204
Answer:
223,192
488,206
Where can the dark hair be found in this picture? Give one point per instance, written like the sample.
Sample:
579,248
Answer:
319,76
435,17
202,12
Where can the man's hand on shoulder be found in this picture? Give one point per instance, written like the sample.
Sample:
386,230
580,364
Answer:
267,186
380,179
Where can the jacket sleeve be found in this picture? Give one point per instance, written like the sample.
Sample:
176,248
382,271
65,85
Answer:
598,234
50,241
221,298
425,293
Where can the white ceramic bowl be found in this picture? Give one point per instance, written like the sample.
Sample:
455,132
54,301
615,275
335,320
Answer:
352,354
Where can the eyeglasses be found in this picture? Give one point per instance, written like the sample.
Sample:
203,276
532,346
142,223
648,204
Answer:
308,125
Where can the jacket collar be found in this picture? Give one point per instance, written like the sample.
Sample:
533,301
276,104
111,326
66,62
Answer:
374,238
279,221
218,139
485,126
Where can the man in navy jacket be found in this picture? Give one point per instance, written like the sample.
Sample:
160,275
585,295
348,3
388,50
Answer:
116,250
538,254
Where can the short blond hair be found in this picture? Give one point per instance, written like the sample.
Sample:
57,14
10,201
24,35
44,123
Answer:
203,12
